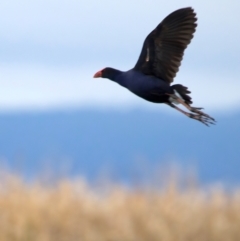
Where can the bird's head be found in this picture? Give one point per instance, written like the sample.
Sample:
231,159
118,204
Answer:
108,73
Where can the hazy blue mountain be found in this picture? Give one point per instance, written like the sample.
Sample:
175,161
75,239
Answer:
88,142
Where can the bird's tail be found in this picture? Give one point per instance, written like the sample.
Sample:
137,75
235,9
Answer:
182,92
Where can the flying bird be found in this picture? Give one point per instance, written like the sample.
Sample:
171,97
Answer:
158,63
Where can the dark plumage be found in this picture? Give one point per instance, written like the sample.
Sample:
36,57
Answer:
158,64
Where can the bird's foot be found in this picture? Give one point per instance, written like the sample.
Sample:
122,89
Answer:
199,112
203,119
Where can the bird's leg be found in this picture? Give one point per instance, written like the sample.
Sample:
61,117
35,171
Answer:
192,109
205,120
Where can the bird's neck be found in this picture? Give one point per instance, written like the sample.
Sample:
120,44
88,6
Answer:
114,74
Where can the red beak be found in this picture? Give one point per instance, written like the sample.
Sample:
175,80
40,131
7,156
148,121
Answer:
98,74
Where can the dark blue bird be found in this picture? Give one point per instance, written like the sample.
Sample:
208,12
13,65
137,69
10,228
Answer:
159,61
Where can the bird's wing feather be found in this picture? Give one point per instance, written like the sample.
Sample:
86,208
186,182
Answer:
164,47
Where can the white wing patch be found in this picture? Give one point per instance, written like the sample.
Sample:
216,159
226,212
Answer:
148,55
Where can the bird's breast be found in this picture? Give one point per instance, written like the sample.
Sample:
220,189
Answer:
141,84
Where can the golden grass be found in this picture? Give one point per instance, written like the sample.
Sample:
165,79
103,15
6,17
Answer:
72,210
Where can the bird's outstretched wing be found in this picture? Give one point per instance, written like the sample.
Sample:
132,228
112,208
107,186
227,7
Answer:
164,47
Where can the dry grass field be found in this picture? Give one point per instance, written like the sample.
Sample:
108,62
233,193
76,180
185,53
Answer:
72,210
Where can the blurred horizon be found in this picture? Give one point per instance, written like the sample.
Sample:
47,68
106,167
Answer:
90,143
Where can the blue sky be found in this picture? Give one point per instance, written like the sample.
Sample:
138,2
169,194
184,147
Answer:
51,49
